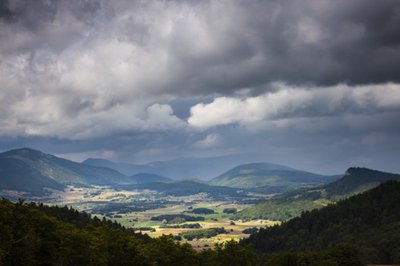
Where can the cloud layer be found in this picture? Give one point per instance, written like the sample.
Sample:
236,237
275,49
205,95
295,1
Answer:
175,78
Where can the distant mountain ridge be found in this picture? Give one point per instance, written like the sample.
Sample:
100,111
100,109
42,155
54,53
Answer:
32,171
288,205
269,176
124,168
178,169
149,178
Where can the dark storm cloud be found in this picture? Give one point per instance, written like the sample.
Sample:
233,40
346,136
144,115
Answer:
152,79
221,46
42,24
254,43
34,14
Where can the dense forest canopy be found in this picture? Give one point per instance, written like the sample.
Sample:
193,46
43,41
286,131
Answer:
369,221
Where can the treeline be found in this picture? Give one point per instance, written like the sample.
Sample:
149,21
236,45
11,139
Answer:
193,225
202,211
177,218
203,233
369,221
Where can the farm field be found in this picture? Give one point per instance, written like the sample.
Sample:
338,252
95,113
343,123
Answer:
137,209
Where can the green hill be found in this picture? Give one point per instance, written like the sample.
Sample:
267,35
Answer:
291,204
266,177
149,178
370,222
31,171
187,188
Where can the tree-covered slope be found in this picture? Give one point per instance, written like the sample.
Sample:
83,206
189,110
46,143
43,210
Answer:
369,221
31,171
268,175
291,204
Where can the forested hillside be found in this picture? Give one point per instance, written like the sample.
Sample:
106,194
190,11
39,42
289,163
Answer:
370,222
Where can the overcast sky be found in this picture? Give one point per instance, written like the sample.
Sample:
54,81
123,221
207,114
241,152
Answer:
309,84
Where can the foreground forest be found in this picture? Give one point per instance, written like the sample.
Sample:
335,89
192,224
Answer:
370,222
361,229
32,234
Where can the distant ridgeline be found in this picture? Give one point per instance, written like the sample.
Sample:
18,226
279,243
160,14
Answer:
33,172
368,222
292,204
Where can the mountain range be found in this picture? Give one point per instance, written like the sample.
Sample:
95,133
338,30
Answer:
177,169
33,171
257,177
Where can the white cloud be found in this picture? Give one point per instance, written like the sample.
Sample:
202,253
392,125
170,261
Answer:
289,102
211,140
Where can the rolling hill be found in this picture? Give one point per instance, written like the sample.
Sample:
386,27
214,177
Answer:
292,204
149,178
269,177
31,171
187,188
369,222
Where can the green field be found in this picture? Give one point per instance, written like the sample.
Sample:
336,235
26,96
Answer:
116,205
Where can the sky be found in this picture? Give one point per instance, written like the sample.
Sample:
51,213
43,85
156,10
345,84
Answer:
312,84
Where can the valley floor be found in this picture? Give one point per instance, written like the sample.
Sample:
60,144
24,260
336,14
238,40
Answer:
137,209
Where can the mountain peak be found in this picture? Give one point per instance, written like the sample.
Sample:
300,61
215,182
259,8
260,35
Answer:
25,152
363,171
358,179
357,170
